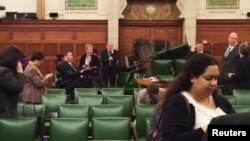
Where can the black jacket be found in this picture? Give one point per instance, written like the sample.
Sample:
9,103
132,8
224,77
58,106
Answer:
178,120
11,85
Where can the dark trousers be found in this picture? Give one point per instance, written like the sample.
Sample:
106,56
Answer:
109,76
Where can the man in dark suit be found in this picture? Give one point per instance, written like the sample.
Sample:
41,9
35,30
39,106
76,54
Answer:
109,58
241,77
69,74
198,48
229,59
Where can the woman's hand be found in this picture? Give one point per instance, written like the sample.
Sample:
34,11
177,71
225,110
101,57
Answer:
19,67
48,76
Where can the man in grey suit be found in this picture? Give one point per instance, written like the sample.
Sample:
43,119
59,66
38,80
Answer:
229,59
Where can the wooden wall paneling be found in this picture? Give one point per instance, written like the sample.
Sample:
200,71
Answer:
5,35
26,35
3,46
58,35
34,47
50,49
92,36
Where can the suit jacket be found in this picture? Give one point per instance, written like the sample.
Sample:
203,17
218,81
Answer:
229,63
11,85
34,86
70,76
105,59
93,63
241,78
190,53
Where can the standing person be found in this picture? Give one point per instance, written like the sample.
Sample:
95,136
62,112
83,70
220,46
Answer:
241,77
192,101
109,58
91,65
198,48
35,82
12,80
229,59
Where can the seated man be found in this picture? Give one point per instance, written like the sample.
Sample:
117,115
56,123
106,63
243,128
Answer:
70,75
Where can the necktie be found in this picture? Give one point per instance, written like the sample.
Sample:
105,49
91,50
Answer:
73,66
110,63
228,51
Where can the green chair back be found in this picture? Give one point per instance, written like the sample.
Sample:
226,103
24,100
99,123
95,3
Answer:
142,112
231,99
179,65
148,121
126,100
20,108
136,92
87,91
242,108
162,67
52,102
112,91
73,111
122,79
69,129
34,110
107,110
18,129
112,128
56,91
242,96
89,99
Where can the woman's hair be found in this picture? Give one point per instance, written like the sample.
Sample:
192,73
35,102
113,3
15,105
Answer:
244,48
37,55
88,45
10,56
152,90
194,67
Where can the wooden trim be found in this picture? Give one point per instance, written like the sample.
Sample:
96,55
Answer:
169,23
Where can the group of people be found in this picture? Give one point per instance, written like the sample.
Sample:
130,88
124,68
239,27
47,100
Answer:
190,102
235,64
87,74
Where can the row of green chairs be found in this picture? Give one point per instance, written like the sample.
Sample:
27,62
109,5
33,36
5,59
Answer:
69,129
240,100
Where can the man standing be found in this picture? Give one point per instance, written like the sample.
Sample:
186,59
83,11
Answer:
229,59
109,59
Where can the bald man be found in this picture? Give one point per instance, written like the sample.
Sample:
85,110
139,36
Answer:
109,58
229,59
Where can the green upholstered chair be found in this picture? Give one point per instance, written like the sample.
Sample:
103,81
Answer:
111,128
90,99
179,65
69,129
126,100
242,96
136,92
107,110
34,110
73,111
112,91
87,91
18,129
163,70
232,99
20,108
55,91
142,112
52,102
242,108
178,52
122,79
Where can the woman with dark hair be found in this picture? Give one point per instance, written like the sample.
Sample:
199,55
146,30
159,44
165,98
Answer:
35,81
192,101
12,80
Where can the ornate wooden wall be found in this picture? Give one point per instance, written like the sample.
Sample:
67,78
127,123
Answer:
130,30
216,32
53,37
